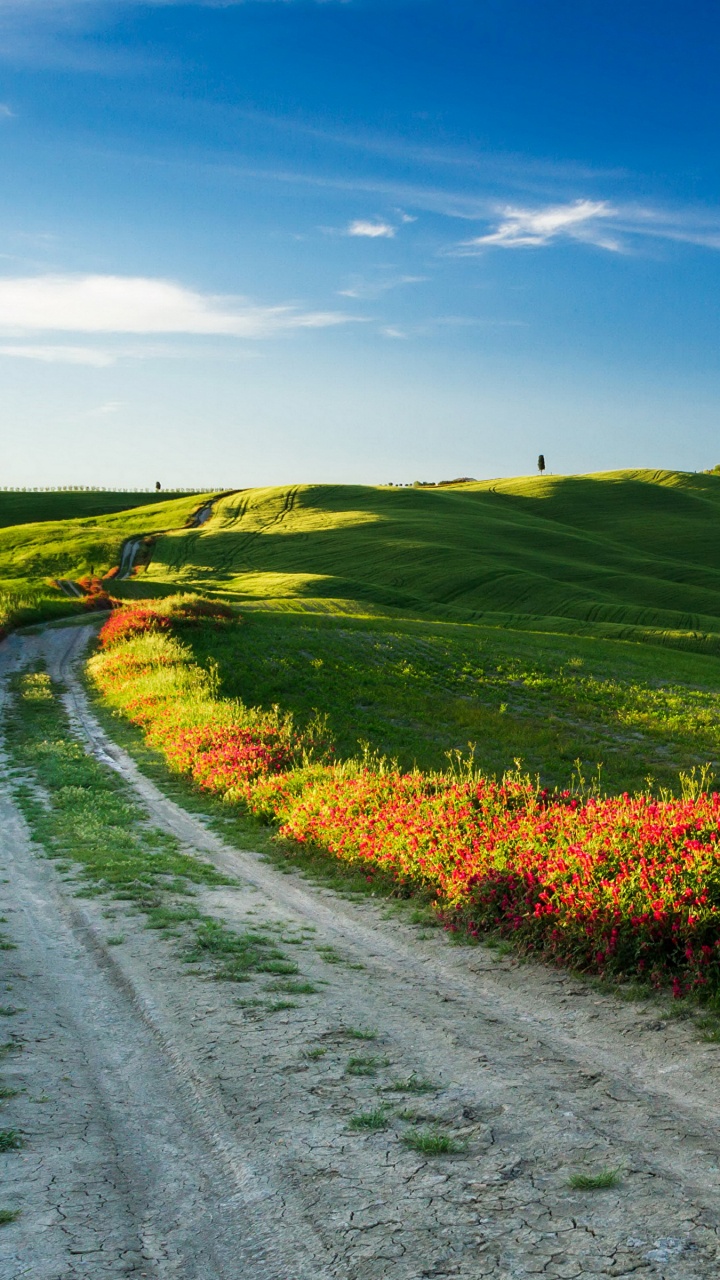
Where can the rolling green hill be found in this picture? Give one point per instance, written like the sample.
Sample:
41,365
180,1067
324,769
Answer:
632,554
32,554
35,508
507,613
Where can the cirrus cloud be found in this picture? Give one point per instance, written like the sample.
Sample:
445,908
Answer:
141,305
520,228
373,230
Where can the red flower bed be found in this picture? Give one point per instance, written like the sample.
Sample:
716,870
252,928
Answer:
126,623
225,756
624,885
135,620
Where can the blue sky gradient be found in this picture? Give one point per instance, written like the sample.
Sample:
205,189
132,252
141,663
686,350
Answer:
365,241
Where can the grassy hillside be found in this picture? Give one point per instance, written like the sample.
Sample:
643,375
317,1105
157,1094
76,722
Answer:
414,690
36,508
33,553
624,554
506,613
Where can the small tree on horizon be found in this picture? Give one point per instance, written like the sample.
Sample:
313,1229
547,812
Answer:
541,463
158,486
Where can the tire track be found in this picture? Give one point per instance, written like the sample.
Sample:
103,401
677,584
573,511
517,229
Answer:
537,1072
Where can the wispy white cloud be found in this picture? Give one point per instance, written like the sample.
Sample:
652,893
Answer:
619,228
522,228
5,112
432,325
373,230
59,355
141,305
371,289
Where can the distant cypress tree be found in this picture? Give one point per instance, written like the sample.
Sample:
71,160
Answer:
541,463
158,486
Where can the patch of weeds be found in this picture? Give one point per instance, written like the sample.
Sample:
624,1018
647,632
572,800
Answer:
11,1140
277,1005
501,947
9,1010
359,1033
413,1084
313,1055
163,917
277,966
8,1215
115,940
330,955
248,1004
299,988
424,916
10,1046
364,1066
432,1142
6,945
86,817
237,954
7,1092
710,1030
602,1181
633,992
369,1120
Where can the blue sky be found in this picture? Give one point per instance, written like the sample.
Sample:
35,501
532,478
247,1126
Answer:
285,240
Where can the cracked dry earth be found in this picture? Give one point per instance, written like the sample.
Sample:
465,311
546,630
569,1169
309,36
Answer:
174,1128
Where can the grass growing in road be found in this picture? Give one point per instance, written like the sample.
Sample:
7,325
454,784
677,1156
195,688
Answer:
364,1066
431,1142
8,1215
85,816
11,1140
413,1084
605,1180
369,1121
84,812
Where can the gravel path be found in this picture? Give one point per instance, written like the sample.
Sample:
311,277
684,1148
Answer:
189,1134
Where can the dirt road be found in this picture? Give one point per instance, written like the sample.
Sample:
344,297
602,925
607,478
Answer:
188,1133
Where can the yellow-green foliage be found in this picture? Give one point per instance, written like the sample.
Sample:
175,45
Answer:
632,555
33,554
28,507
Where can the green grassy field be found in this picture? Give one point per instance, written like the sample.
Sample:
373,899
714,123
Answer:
34,551
627,555
414,690
554,619
36,508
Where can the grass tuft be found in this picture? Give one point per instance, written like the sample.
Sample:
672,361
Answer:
11,1140
364,1066
413,1084
605,1180
369,1120
432,1142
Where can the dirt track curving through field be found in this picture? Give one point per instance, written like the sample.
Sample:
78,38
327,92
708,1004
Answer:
186,1135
